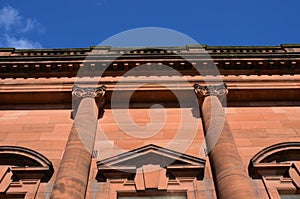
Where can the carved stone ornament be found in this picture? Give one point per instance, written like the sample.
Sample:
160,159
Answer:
88,91
79,93
215,90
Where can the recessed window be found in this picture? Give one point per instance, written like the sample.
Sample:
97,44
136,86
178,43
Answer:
289,194
12,196
152,197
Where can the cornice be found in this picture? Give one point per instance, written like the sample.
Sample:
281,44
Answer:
252,73
69,66
230,60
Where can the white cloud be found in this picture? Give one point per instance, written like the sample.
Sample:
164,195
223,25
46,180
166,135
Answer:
32,25
100,2
15,29
29,25
22,43
9,17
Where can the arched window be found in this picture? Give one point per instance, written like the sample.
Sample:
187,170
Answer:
21,172
279,168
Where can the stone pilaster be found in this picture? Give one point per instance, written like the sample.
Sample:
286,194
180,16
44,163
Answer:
72,176
231,179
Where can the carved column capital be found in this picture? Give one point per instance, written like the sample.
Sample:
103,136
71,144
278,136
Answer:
79,93
88,92
215,90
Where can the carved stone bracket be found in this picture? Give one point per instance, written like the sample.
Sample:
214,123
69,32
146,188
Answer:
294,173
151,177
79,93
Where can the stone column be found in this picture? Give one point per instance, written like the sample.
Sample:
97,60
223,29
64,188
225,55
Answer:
72,176
231,179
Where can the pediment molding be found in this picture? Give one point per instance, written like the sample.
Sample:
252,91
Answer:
125,165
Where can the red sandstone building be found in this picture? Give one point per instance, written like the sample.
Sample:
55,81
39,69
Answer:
125,123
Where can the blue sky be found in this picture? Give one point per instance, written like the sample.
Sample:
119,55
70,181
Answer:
68,24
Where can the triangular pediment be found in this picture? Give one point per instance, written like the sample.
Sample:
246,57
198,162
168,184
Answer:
127,163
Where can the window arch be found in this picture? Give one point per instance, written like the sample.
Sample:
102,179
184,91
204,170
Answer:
21,171
279,168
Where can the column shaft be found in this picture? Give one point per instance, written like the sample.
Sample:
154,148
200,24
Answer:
231,179
72,176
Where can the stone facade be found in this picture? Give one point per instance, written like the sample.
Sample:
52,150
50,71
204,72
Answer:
110,123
